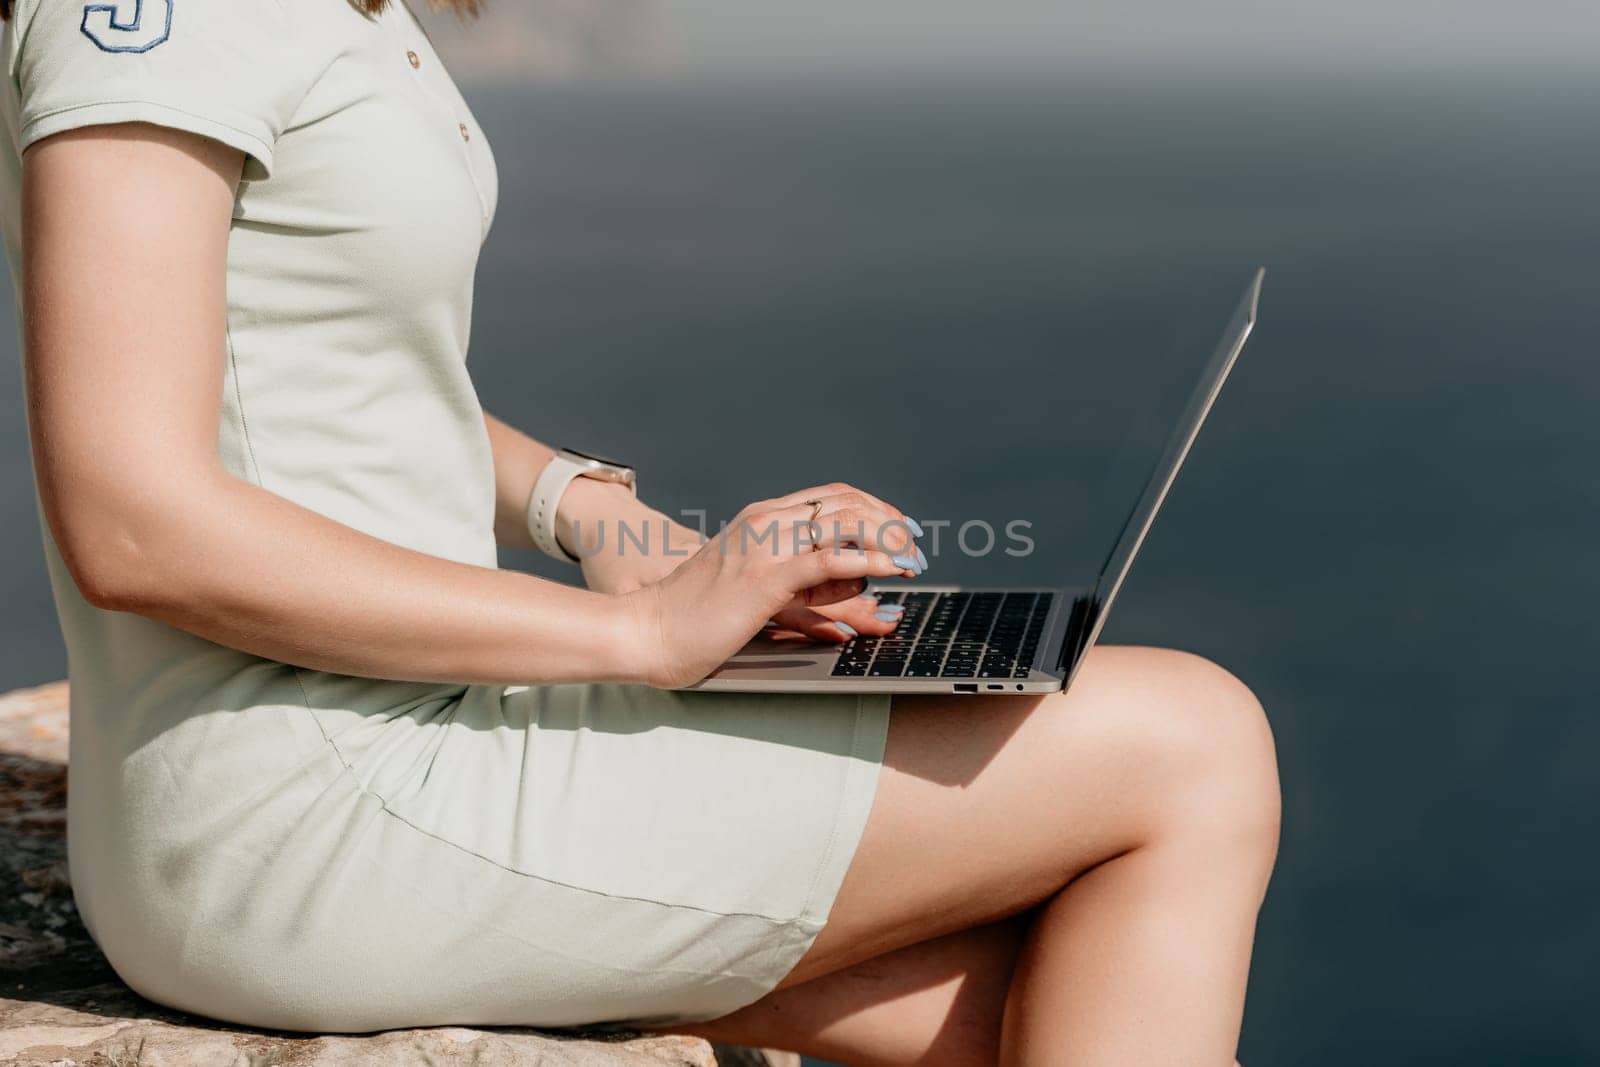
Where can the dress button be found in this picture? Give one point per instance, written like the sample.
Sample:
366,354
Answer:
465,135
414,59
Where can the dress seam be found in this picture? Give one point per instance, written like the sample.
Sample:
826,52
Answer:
249,445
383,806
516,936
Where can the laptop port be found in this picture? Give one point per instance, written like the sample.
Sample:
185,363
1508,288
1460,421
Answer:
966,687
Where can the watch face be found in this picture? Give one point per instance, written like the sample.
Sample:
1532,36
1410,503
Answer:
597,459
622,471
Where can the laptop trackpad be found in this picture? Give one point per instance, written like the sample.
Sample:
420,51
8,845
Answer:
765,654
753,663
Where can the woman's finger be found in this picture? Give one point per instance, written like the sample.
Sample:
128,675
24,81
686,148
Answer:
841,521
813,624
832,593
859,614
865,614
788,531
850,529
844,489
845,521
812,569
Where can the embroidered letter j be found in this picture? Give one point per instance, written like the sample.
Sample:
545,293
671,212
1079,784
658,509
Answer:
128,25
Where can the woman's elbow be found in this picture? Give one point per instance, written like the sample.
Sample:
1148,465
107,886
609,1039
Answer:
122,537
112,544
110,568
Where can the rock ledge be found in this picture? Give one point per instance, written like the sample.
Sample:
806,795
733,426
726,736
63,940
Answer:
61,1005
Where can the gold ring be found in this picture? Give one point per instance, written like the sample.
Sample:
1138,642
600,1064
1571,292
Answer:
811,523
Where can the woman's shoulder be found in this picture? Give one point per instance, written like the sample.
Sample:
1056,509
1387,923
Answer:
231,69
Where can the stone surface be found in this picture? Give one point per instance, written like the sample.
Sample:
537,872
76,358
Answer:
61,1004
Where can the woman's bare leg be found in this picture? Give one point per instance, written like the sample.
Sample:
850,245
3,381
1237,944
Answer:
935,1002
1138,814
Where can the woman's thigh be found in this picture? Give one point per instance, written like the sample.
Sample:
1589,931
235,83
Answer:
987,806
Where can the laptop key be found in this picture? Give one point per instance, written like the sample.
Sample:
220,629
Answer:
952,635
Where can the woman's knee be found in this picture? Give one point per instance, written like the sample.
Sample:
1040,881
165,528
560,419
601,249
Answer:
1191,741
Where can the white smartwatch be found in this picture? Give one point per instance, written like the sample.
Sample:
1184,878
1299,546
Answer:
564,466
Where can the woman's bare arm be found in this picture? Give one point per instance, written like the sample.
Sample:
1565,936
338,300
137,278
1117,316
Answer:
518,461
125,234
124,320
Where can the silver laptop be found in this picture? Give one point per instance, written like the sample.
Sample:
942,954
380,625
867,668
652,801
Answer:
989,641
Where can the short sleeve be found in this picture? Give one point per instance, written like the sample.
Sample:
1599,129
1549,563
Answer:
224,69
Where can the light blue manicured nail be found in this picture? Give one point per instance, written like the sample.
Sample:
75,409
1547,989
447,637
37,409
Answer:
887,616
868,596
849,631
898,609
905,563
769,625
922,559
916,527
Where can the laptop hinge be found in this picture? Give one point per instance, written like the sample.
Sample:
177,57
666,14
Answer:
1079,625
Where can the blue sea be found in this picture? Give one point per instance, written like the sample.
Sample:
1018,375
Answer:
980,297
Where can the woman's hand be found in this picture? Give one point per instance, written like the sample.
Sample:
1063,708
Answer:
772,562
637,547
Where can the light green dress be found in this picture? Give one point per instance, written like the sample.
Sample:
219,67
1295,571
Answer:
288,848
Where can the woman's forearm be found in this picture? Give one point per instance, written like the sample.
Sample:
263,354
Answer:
518,460
242,567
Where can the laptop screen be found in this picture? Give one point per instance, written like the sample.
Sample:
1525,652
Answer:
1109,581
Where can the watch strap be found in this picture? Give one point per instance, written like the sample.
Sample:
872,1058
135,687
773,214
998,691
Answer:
542,505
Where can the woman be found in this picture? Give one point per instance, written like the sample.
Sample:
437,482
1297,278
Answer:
332,770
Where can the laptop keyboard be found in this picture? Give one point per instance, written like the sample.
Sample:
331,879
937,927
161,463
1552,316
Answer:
952,635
